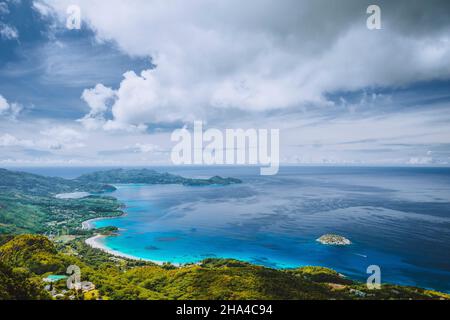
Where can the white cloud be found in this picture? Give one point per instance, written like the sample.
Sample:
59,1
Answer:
113,125
142,98
4,105
146,148
8,140
9,110
138,100
97,99
238,62
42,8
60,137
51,139
420,160
258,56
8,32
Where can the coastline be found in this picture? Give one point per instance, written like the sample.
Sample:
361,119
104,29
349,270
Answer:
94,242
100,242
88,224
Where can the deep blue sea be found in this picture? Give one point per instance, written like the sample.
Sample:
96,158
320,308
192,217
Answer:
397,218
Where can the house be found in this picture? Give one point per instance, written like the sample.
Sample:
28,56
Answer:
87,286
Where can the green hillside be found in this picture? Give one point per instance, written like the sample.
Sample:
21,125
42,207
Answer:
32,184
21,213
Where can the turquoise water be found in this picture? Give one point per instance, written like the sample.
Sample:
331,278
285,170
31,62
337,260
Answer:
397,218
55,278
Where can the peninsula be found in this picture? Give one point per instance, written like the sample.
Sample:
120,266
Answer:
31,203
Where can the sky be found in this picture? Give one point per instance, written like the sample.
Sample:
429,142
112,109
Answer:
113,91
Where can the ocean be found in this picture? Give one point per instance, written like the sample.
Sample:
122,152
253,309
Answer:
397,218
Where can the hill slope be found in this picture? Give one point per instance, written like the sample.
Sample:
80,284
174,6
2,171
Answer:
33,184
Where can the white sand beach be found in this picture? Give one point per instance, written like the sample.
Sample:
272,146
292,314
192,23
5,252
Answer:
88,224
73,195
95,242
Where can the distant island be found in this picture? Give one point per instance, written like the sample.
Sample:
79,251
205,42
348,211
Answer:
334,239
148,176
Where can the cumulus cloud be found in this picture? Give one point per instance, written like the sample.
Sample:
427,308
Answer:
97,99
61,137
262,55
8,32
9,110
142,97
8,140
302,66
138,100
54,138
4,105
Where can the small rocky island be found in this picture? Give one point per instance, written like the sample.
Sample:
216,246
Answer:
334,240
